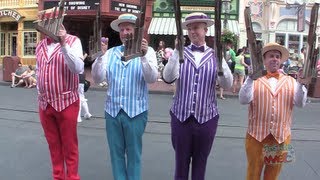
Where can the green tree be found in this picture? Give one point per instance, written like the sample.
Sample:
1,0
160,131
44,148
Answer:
228,37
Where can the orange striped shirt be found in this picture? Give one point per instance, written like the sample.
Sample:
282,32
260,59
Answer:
271,112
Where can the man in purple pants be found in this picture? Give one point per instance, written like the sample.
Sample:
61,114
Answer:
194,114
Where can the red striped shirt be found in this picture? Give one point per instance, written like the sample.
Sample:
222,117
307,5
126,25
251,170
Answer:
57,85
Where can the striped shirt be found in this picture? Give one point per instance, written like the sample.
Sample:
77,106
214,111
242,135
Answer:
57,84
196,88
270,112
127,81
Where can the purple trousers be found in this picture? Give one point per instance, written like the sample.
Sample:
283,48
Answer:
192,142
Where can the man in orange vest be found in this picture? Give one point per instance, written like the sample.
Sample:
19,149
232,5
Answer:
271,99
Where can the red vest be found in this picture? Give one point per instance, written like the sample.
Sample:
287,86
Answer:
57,85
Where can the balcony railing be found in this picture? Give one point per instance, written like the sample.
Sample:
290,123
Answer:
17,3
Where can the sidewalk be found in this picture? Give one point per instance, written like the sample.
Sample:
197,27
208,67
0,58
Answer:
158,87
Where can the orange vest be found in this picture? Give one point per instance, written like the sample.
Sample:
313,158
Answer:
271,112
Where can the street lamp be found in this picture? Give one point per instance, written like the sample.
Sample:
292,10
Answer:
226,7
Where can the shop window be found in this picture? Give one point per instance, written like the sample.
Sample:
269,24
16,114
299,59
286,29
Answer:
30,42
28,25
2,44
280,39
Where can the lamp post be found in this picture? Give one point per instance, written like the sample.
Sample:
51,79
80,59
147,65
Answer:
226,10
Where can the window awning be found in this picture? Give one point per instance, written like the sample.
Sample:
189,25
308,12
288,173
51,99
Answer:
167,26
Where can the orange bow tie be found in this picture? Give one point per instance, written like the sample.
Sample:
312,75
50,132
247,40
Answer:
275,75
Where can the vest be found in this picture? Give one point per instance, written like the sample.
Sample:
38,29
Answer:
196,88
57,85
271,113
127,88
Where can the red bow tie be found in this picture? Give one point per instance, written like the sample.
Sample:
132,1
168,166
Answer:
275,75
49,41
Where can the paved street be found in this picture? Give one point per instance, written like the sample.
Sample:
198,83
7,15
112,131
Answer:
24,152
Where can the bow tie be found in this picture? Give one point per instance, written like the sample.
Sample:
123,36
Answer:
197,48
49,41
275,75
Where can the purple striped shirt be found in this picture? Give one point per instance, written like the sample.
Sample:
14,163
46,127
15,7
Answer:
196,88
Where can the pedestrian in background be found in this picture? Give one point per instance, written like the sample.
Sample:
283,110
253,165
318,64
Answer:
194,113
271,99
83,101
58,66
126,109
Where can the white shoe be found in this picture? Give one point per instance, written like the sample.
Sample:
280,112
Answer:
79,120
87,116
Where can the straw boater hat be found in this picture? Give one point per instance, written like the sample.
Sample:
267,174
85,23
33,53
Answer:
129,18
196,17
275,46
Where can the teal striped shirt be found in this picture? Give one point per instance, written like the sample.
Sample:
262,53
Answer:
127,88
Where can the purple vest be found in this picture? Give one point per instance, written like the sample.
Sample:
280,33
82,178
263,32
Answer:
195,92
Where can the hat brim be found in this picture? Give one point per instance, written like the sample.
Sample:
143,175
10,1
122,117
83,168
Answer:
284,52
209,22
115,24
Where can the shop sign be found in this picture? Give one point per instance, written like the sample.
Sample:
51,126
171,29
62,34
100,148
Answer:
73,5
10,13
125,7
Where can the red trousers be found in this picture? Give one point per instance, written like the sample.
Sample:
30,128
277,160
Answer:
60,129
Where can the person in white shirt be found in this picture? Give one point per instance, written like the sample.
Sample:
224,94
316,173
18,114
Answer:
126,107
58,68
194,113
271,99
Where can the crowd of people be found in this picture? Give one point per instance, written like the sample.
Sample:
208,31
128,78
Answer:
194,114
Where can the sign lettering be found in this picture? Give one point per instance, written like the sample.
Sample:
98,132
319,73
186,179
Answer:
125,7
10,13
73,5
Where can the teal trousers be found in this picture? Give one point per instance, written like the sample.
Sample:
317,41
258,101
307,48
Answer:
124,136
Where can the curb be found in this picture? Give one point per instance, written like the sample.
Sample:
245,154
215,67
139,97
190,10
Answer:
226,94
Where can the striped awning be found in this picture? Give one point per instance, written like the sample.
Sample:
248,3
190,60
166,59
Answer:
167,26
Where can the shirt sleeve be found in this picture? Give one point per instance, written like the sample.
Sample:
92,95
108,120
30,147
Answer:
246,91
99,68
73,56
226,80
150,66
171,69
300,95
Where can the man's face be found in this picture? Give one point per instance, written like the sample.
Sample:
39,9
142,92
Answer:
124,29
272,60
197,33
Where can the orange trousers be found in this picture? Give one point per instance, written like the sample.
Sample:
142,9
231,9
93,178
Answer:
254,150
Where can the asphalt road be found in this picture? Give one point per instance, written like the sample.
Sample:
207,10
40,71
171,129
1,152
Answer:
24,151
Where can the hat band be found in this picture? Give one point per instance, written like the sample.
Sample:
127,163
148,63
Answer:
128,18
197,17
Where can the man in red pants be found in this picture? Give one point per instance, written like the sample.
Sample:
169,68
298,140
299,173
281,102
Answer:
58,66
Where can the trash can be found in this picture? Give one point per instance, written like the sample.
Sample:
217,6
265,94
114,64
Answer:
9,65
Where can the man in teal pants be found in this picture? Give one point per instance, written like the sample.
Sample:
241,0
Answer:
126,108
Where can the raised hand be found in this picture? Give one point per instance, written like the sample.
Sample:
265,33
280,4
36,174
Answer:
62,33
144,46
104,45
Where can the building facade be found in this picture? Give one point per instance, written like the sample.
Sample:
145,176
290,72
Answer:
277,21
17,34
163,24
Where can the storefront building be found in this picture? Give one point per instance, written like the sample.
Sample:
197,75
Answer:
163,24
17,34
277,21
81,15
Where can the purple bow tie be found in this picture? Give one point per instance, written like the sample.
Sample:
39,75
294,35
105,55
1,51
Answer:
197,48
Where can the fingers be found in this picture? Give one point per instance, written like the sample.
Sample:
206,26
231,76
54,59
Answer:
144,46
104,44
